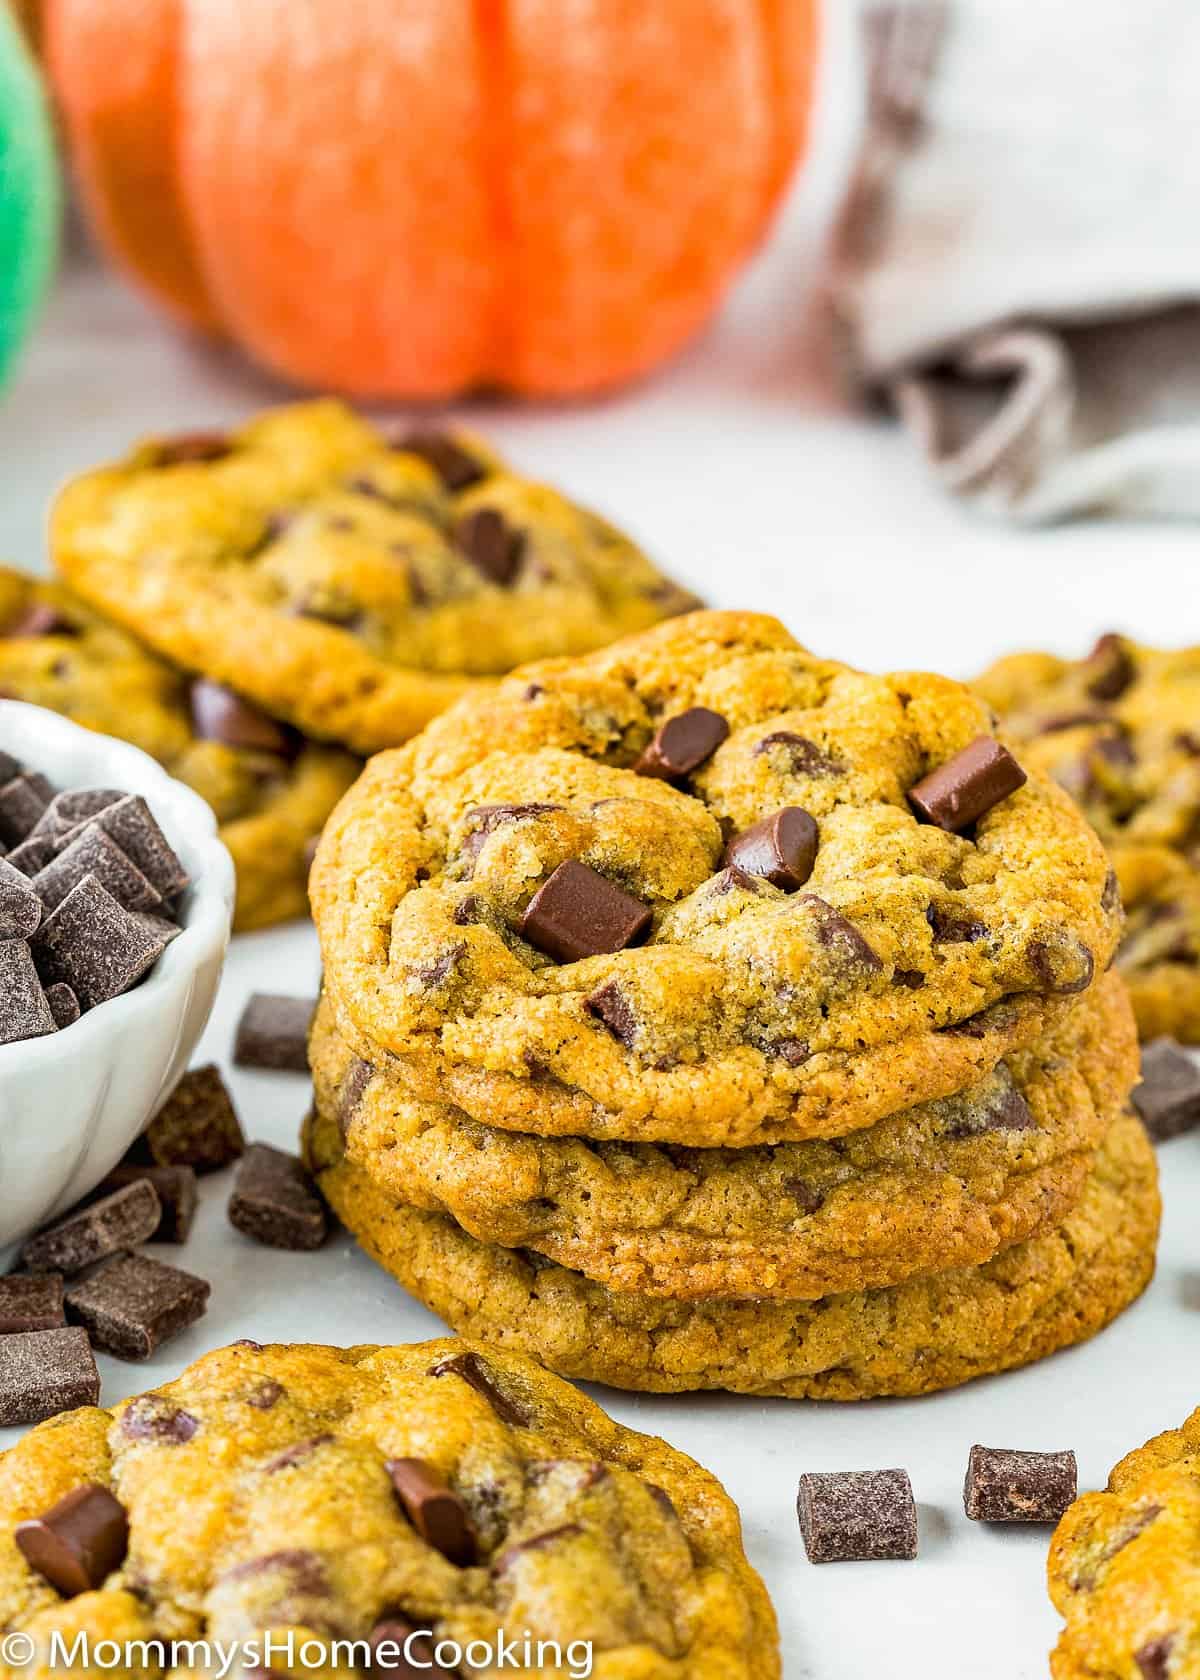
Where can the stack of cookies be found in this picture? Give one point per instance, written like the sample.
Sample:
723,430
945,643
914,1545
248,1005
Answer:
704,1014
247,606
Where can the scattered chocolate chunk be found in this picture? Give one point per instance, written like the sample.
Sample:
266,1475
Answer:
196,1127
22,801
130,823
130,1305
457,468
1005,1485
275,1201
796,755
218,714
852,1515
1062,964
1153,1660
31,1303
273,1033
609,1004
535,1543
192,448
957,793
76,1544
20,906
44,1372
839,934
682,744
64,1005
782,848
577,913
175,1188
32,854
471,1368
952,926
123,1220
39,618
402,1651
491,544
152,1417
24,1012
434,1509
1168,1099
94,853
1111,666
97,947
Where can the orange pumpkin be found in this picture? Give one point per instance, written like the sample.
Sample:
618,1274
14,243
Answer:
414,197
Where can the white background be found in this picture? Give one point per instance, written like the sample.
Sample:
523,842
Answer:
742,471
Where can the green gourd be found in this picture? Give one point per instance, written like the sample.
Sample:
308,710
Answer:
30,194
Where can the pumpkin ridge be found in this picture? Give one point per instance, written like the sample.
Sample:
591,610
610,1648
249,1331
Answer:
492,22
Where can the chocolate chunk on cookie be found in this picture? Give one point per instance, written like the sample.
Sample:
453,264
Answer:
577,913
77,1543
962,790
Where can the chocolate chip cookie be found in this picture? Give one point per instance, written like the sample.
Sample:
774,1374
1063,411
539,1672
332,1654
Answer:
1120,730
348,580
270,789
1123,1568
375,1493
1050,1291
704,887
948,1183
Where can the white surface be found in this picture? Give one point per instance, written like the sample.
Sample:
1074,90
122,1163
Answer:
71,1105
738,470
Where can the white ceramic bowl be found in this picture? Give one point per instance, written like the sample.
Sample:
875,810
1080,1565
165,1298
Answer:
72,1102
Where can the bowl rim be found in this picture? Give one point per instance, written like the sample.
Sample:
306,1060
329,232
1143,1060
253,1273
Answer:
184,815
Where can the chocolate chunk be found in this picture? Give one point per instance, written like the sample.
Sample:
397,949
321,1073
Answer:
191,448
796,755
952,926
1110,898
31,1303
152,1417
39,618
24,1012
64,1005
268,1392
457,468
471,1368
434,1509
485,819
957,793
682,744
794,1052
196,1127
577,913
853,1515
123,1220
1168,1099
22,801
1062,964
839,934
295,1454
94,853
1004,1485
273,1033
1111,668
403,1651
911,978
491,544
218,714
20,906
95,946
43,1372
130,823
78,1543
1153,1660
32,854
357,1079
175,1188
608,1003
1000,1107
536,1543
131,1305
75,806
275,1201
782,848
432,974
9,767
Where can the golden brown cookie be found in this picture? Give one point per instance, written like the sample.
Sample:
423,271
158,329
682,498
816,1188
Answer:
349,581
271,791
946,1184
736,999
262,1494
1125,1568
1049,1292
1120,730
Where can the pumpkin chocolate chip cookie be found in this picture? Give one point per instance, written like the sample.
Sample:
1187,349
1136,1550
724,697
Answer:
271,790
438,1494
1125,1568
949,1183
348,580
1120,730
1050,1291
704,887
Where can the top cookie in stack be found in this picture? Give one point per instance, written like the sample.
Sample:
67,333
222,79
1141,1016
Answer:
697,901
